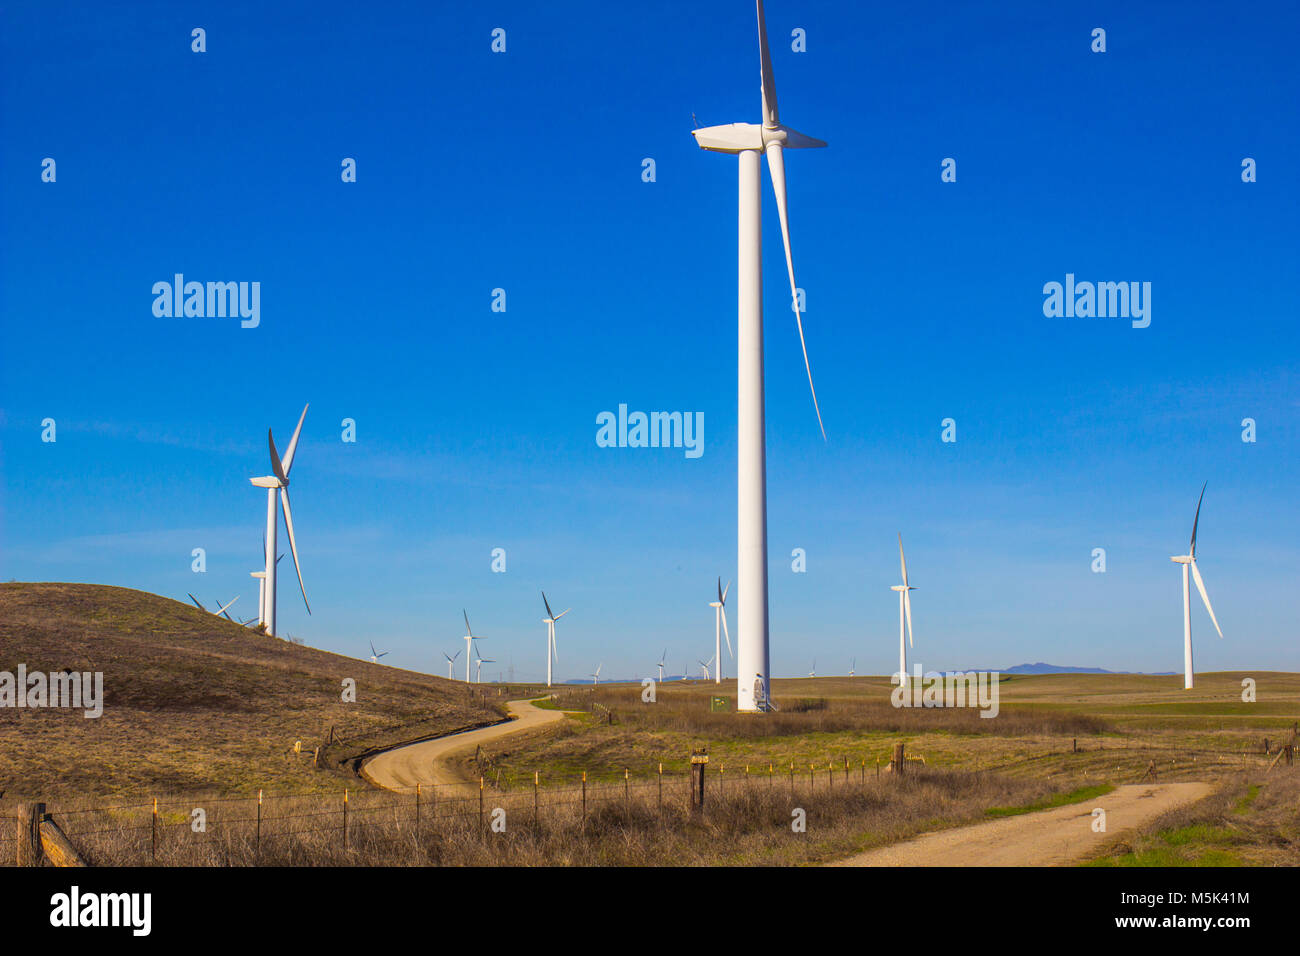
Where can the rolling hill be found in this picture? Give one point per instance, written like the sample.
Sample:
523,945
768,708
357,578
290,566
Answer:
196,704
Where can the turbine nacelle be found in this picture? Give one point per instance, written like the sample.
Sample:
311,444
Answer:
738,137
268,481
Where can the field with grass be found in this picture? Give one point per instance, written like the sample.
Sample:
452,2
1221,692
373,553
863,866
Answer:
197,704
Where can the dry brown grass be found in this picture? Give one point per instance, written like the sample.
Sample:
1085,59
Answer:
194,703
744,824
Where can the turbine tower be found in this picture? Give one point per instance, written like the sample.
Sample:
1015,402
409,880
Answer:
904,611
720,627
1188,560
278,480
663,658
748,141
549,621
470,637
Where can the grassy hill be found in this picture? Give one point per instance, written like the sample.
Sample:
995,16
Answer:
196,704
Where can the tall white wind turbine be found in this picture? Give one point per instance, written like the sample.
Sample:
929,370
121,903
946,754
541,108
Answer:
705,665
375,655
595,678
470,637
478,668
748,141
551,653
662,658
719,628
278,480
1188,560
904,611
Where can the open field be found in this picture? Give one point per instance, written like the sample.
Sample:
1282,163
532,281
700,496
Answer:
195,703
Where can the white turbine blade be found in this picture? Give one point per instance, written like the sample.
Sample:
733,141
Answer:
468,629
725,632
770,119
293,545
776,166
719,590
222,610
562,613
548,605
1196,521
797,140
907,610
1200,586
724,593
902,560
293,442
555,649
454,656
276,466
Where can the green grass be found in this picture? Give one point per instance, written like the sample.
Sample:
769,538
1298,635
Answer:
1057,800
1199,844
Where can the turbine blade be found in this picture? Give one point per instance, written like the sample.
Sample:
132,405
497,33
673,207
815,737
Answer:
724,593
548,605
222,610
1197,520
902,560
907,610
293,544
725,632
468,629
1200,586
776,166
276,466
196,602
293,442
562,613
765,65
719,590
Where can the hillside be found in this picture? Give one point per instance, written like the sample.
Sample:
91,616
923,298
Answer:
196,704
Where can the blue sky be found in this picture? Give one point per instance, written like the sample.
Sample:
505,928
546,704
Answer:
522,171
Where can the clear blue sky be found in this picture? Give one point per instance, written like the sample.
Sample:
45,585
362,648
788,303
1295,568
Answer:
522,171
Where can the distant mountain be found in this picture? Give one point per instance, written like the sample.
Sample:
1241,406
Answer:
1042,668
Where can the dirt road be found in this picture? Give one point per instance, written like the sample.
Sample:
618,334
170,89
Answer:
428,762
1056,837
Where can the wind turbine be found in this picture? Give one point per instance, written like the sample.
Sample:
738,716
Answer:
853,664
279,481
595,678
219,612
813,672
549,621
478,668
662,658
470,637
375,655
720,627
1188,560
904,610
706,665
748,141
450,662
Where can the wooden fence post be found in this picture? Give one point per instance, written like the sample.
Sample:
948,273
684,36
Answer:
792,779
771,780
259,820
661,785
417,811
627,786
536,781
345,818
481,829
699,760
30,816
896,763
153,851
584,799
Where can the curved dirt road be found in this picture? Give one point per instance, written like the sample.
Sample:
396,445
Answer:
1057,837
426,762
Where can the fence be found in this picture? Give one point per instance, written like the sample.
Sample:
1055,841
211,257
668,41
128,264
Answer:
296,828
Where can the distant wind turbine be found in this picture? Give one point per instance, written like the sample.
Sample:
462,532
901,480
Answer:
552,654
705,665
813,672
595,678
470,637
720,627
904,610
375,655
853,664
662,658
748,141
1188,560
450,662
478,668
